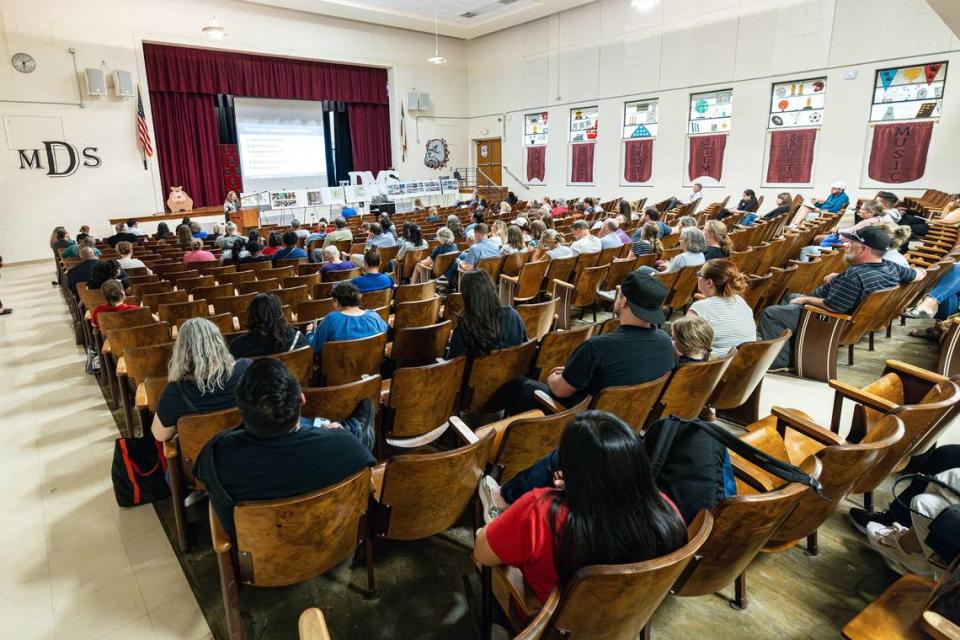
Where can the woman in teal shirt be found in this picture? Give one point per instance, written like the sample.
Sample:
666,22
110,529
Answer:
348,321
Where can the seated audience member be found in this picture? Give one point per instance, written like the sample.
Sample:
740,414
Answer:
718,242
107,270
748,202
837,200
551,247
498,235
274,243
163,232
267,330
272,455
692,246
695,195
505,208
371,279
290,250
216,232
348,212
134,227
610,359
692,339
73,250
197,253
121,235
296,228
114,295
722,286
477,219
236,252
60,238
81,272
562,514
683,222
485,325
872,212
185,222
784,202
537,227
412,240
127,261
202,377
951,211
332,261
254,253
318,234
840,293
184,237
447,245
433,215
388,227
377,237
197,231
514,243
558,209
647,240
899,235
348,321
230,236
453,223
339,233
609,237
481,248
650,214
583,241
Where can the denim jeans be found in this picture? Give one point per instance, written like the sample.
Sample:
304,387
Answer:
351,424
538,476
945,292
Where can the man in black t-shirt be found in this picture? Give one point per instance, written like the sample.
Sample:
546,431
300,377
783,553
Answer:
636,352
272,456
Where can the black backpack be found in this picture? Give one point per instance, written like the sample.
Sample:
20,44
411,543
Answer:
688,459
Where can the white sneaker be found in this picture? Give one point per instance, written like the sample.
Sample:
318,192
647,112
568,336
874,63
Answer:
493,504
885,540
194,497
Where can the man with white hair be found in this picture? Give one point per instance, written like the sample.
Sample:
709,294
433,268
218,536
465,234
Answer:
227,240
608,234
332,261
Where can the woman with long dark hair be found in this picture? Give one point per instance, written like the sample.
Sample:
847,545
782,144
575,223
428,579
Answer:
412,240
485,325
604,508
163,232
267,330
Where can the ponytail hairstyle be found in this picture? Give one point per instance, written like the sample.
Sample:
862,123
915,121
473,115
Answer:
650,233
898,234
718,230
725,276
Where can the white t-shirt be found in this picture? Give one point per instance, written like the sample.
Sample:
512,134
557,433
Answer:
693,197
302,233
731,319
896,257
586,244
137,231
685,259
560,252
132,263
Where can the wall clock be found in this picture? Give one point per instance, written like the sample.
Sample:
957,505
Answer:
23,62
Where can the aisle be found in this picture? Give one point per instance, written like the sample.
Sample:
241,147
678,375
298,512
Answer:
74,564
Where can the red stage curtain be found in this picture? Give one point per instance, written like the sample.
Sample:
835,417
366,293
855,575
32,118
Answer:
582,164
536,163
186,70
638,160
899,152
791,156
706,157
188,149
370,136
230,160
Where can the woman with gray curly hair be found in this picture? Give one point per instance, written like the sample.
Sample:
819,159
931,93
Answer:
692,245
202,377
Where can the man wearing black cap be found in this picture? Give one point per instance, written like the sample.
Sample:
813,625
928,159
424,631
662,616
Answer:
636,352
840,293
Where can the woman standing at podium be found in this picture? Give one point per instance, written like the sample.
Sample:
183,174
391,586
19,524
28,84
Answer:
231,204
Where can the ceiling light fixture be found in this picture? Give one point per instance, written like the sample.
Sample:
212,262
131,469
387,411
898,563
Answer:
644,5
437,58
214,30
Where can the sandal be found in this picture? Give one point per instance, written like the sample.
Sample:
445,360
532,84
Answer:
917,313
930,333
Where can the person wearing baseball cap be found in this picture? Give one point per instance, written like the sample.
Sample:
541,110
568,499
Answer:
834,203
636,352
842,292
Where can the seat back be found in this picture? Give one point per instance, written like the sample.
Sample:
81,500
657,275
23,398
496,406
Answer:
871,306
491,371
683,289
538,318
343,361
307,281
585,292
513,263
147,362
746,371
690,387
442,262
419,346
530,279
527,440
278,273
286,541
299,362
556,348
137,336
124,319
339,401
214,293
140,290
341,274
292,297
632,403
189,284
491,265
194,432
236,306
413,292
179,312
416,314
560,269
619,269
237,277
258,286
409,411
376,299
155,300
425,494
409,263
314,309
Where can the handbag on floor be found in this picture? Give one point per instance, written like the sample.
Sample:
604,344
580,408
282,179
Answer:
139,471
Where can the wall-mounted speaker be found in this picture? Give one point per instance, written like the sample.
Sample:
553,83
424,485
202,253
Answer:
123,85
424,101
96,82
413,101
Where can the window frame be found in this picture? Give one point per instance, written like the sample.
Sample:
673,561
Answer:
545,119
623,124
690,110
595,108
773,88
875,86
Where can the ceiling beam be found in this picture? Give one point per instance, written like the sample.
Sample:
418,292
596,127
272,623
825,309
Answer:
949,12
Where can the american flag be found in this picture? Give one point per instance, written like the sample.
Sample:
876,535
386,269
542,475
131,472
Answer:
143,134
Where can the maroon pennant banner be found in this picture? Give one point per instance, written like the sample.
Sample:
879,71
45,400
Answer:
536,163
899,152
791,156
706,156
582,163
638,160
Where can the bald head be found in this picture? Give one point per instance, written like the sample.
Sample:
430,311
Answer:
87,253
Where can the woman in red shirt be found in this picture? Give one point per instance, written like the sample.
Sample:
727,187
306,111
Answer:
605,509
114,295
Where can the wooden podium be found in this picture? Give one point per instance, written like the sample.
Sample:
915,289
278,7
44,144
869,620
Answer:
246,218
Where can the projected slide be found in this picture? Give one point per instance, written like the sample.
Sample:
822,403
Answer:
282,145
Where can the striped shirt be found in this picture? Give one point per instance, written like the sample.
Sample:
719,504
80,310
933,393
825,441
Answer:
641,248
845,292
731,319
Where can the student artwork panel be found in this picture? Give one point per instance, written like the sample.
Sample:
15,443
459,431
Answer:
536,163
791,156
638,160
706,157
899,152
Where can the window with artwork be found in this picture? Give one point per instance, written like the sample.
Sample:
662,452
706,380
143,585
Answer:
711,112
640,119
798,103
583,124
535,129
908,93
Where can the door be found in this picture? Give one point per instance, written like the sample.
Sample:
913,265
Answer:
489,165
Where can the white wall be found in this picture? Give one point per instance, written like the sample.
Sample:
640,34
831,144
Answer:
112,32
607,53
